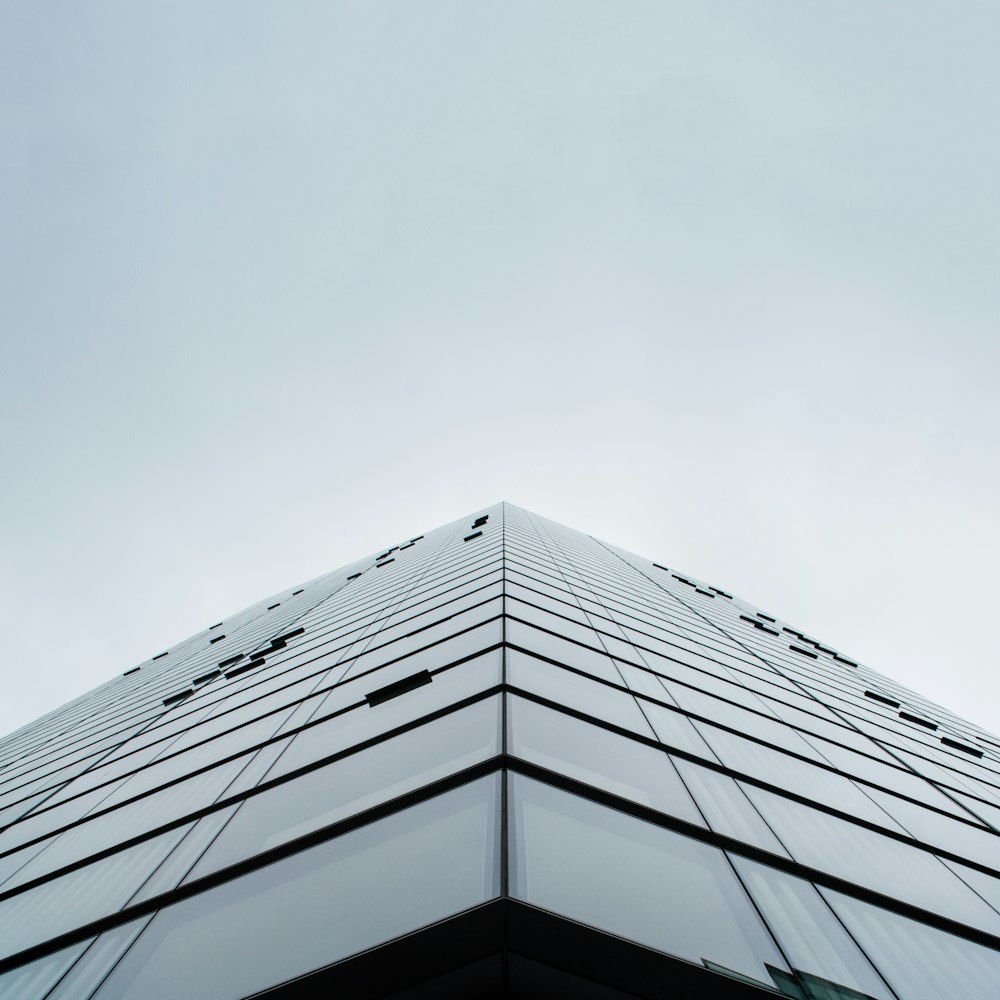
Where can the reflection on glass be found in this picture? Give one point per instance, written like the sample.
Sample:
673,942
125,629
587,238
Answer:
575,691
34,980
631,878
809,934
80,896
318,906
919,962
597,757
870,859
727,808
354,783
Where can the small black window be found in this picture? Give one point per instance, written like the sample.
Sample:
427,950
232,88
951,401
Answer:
698,590
844,659
175,698
132,671
271,607
205,678
475,534
231,660
804,652
159,656
216,625
954,744
397,688
875,696
767,618
218,638
295,592
916,718
354,576
288,635
385,563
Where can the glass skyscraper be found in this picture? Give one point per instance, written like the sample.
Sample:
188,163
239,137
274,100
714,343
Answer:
502,758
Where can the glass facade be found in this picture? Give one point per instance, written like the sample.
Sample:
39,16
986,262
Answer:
503,753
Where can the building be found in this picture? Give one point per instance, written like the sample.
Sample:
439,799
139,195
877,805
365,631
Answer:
500,759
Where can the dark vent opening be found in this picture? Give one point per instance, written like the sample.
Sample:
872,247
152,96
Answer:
231,660
271,607
397,688
243,669
767,618
218,638
955,745
664,568
916,718
875,696
159,656
295,593
216,625
698,590
354,576
285,636
804,652
132,671
844,659
475,534
206,677
175,698
386,563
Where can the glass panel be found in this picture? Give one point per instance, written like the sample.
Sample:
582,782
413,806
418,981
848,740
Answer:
631,878
796,776
590,661
354,783
809,934
83,895
920,962
870,859
97,962
34,980
365,722
600,758
575,691
320,905
727,808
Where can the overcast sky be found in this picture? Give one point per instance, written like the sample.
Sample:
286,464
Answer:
284,283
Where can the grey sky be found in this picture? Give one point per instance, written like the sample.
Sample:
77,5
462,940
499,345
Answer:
283,283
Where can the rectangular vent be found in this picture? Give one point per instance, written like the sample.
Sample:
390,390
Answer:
218,638
159,656
721,593
288,635
916,718
747,618
664,568
408,545
132,671
698,590
790,631
271,607
216,625
475,534
767,618
242,670
681,578
823,649
386,563
230,661
211,675
277,644
175,698
397,688
875,696
955,745
764,628
480,520
354,576
417,539
804,652
295,593
844,659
